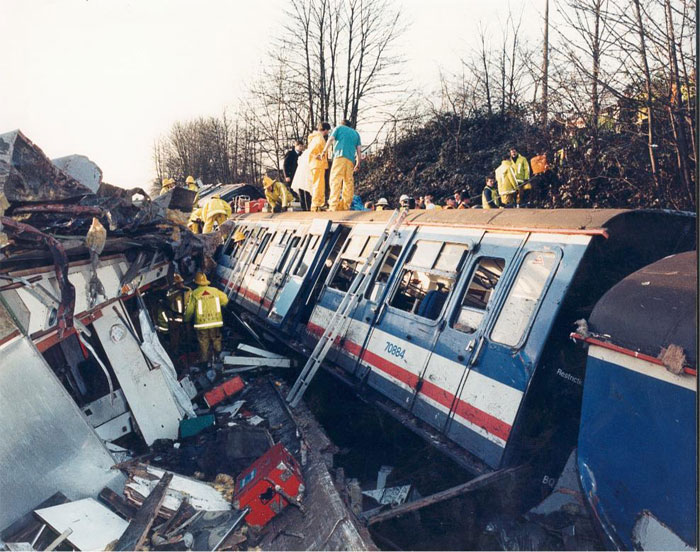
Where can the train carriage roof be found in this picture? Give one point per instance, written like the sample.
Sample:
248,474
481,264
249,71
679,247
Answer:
653,308
565,221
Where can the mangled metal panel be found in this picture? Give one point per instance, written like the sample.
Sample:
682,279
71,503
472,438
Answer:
82,169
146,390
47,445
28,175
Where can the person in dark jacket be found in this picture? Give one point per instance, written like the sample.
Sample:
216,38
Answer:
291,160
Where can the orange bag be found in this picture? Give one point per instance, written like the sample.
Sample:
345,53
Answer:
539,164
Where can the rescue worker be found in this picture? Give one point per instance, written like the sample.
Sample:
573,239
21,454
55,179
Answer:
161,316
191,184
214,213
382,204
318,163
177,297
238,239
277,194
195,222
291,161
347,154
450,203
521,170
405,202
205,306
505,177
167,185
464,200
489,197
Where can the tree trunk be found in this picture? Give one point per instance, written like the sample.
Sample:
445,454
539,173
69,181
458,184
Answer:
545,68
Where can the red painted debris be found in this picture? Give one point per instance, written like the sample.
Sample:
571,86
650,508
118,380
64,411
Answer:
226,389
256,486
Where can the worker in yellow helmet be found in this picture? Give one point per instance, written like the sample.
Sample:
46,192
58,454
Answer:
195,221
205,306
191,184
167,185
214,213
277,194
505,177
177,297
521,174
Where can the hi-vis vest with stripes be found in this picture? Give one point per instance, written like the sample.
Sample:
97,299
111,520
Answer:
205,305
177,301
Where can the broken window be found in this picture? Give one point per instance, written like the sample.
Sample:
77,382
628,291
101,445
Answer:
351,261
482,284
289,255
523,298
376,288
427,278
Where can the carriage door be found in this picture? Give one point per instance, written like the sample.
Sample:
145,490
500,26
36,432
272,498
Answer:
408,325
268,267
308,251
281,274
244,260
463,324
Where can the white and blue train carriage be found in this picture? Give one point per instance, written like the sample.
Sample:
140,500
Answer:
637,453
463,332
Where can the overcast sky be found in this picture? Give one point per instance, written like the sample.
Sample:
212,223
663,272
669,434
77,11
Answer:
105,78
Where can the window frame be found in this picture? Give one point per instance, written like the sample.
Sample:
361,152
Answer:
344,256
558,254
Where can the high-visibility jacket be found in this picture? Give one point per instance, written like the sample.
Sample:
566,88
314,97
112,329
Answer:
177,298
505,176
316,144
161,318
277,193
489,198
521,170
215,206
166,189
205,306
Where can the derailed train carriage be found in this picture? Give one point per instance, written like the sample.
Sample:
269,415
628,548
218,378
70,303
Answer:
464,330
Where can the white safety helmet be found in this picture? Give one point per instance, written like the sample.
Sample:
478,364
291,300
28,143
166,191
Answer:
382,201
404,199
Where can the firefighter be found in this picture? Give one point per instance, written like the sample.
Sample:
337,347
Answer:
489,197
214,213
277,194
382,204
191,184
161,316
521,173
318,163
177,297
195,221
505,177
205,306
167,185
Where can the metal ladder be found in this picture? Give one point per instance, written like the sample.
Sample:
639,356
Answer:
340,319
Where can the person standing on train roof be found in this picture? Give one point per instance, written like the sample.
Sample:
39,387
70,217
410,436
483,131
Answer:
347,155
489,197
302,184
464,201
318,163
291,160
205,307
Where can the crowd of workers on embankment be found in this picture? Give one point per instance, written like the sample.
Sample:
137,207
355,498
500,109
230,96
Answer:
320,175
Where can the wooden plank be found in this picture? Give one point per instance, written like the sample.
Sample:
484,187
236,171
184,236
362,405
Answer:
117,503
253,361
471,485
256,351
137,531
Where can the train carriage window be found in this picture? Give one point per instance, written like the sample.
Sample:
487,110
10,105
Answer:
424,288
351,261
289,254
263,247
523,297
308,256
375,289
485,277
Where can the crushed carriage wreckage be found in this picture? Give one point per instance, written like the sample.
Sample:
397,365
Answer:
202,463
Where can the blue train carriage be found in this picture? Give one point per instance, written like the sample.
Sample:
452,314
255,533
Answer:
465,324
637,454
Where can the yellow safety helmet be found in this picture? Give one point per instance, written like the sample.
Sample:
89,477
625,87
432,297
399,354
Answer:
177,279
189,180
201,280
238,236
267,182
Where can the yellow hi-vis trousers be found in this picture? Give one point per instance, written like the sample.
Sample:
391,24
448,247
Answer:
318,188
342,182
213,222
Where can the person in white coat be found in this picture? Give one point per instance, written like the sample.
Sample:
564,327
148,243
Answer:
301,183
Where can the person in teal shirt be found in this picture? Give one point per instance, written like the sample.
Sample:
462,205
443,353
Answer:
347,155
